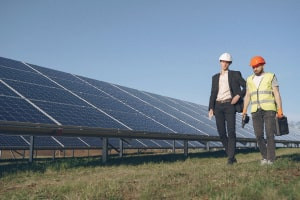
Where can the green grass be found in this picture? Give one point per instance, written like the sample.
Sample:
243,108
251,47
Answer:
200,176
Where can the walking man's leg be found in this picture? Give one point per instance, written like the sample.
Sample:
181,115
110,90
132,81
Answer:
220,122
269,118
230,119
258,125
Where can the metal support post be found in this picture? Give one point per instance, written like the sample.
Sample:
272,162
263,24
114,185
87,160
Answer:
207,146
53,156
31,149
121,149
185,148
174,147
104,149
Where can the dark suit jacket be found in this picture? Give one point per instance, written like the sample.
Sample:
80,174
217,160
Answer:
236,81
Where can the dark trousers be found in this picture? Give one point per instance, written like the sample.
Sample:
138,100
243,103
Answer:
265,120
225,118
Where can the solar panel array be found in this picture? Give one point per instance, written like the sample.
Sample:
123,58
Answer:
30,93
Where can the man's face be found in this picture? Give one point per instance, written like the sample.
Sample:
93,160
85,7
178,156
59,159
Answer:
224,64
258,69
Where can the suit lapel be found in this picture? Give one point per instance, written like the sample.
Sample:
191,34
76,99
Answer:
229,78
217,82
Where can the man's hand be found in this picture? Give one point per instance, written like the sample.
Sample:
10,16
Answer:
279,113
245,120
235,99
210,114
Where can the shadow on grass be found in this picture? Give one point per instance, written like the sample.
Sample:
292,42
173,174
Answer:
40,165
293,157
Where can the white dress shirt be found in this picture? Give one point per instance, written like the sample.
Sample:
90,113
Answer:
224,90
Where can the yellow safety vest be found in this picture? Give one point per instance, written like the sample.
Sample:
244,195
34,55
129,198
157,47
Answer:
262,97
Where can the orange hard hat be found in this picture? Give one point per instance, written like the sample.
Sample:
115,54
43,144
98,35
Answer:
257,60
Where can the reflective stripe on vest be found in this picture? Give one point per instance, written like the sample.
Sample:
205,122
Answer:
262,97
261,92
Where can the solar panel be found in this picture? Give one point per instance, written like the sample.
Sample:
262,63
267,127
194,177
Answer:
45,93
78,115
182,113
23,76
158,116
5,91
12,141
30,93
17,109
9,63
44,142
71,142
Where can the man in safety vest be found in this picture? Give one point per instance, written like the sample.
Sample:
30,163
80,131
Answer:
263,92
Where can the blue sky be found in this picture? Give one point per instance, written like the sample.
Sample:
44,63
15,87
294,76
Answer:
168,47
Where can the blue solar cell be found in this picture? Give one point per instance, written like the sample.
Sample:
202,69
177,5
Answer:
8,63
148,143
172,103
195,144
43,142
12,141
43,93
215,144
78,115
24,76
163,143
138,122
157,144
79,87
179,144
190,106
106,87
183,107
124,113
5,91
148,110
134,143
55,74
93,142
293,135
183,117
106,103
114,142
71,142
17,109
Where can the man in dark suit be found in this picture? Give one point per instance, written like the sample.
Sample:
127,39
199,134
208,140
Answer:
227,93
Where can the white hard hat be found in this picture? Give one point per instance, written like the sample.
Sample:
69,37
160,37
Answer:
226,57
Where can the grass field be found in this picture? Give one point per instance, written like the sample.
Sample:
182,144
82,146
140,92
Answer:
202,175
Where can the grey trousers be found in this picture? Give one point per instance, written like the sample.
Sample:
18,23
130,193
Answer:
265,120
